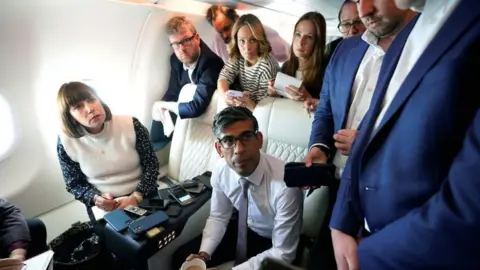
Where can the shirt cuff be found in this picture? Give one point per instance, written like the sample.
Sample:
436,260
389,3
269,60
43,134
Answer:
17,245
172,106
208,246
318,144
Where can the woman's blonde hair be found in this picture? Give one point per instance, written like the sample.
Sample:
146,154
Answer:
258,32
313,73
69,95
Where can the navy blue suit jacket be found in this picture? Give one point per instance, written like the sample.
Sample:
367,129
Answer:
205,76
332,111
417,180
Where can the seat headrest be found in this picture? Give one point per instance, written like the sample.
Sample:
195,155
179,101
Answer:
286,126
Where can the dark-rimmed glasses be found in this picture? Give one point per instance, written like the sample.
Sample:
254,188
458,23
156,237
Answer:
229,142
183,42
346,26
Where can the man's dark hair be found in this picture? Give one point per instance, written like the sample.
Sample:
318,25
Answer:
230,12
346,2
231,115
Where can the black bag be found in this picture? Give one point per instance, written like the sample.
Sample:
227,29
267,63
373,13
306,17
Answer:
79,248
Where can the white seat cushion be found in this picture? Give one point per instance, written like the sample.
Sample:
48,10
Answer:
286,130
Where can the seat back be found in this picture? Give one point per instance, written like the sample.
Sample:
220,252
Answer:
286,127
192,149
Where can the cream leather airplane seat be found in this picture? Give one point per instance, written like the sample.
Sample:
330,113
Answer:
192,149
286,130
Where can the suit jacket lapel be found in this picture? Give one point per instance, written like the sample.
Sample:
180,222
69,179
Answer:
452,30
354,59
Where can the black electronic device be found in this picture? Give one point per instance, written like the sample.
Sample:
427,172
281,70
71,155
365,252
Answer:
181,195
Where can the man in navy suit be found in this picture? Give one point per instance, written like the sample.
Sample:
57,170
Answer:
347,90
413,177
192,63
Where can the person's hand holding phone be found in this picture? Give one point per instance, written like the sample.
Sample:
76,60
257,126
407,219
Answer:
271,90
315,155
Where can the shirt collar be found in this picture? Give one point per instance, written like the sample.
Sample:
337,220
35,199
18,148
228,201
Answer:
194,65
372,40
257,175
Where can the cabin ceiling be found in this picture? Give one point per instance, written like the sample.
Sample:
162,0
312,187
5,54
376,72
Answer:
328,8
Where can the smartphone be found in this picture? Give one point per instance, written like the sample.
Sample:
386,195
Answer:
118,219
197,189
235,93
181,195
297,175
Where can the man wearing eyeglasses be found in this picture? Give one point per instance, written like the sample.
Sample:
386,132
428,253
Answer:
269,217
192,63
349,24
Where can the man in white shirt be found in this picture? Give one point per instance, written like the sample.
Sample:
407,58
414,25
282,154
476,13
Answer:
222,19
269,217
349,82
412,178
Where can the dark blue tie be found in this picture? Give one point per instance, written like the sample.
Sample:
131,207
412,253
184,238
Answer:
241,254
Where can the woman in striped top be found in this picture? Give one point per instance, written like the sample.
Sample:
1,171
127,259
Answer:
249,62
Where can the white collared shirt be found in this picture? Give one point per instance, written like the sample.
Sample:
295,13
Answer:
191,68
362,91
433,16
274,210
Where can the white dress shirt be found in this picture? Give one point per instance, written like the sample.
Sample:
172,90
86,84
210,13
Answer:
362,91
274,210
434,15
280,48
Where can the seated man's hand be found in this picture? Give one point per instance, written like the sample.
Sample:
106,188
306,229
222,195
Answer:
106,202
345,248
271,90
11,264
344,139
18,254
125,201
158,110
201,255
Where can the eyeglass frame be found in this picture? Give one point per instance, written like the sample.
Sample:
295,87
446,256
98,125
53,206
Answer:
349,25
238,138
184,42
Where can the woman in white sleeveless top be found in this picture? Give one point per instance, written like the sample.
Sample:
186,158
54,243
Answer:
106,160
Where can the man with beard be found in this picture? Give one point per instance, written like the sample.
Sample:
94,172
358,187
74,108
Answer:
412,179
223,18
192,63
347,91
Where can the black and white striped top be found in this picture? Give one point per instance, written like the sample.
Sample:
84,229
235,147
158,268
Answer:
254,78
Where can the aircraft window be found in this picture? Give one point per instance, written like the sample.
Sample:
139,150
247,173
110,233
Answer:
7,136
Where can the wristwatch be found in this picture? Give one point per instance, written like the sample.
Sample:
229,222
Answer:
138,196
204,256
